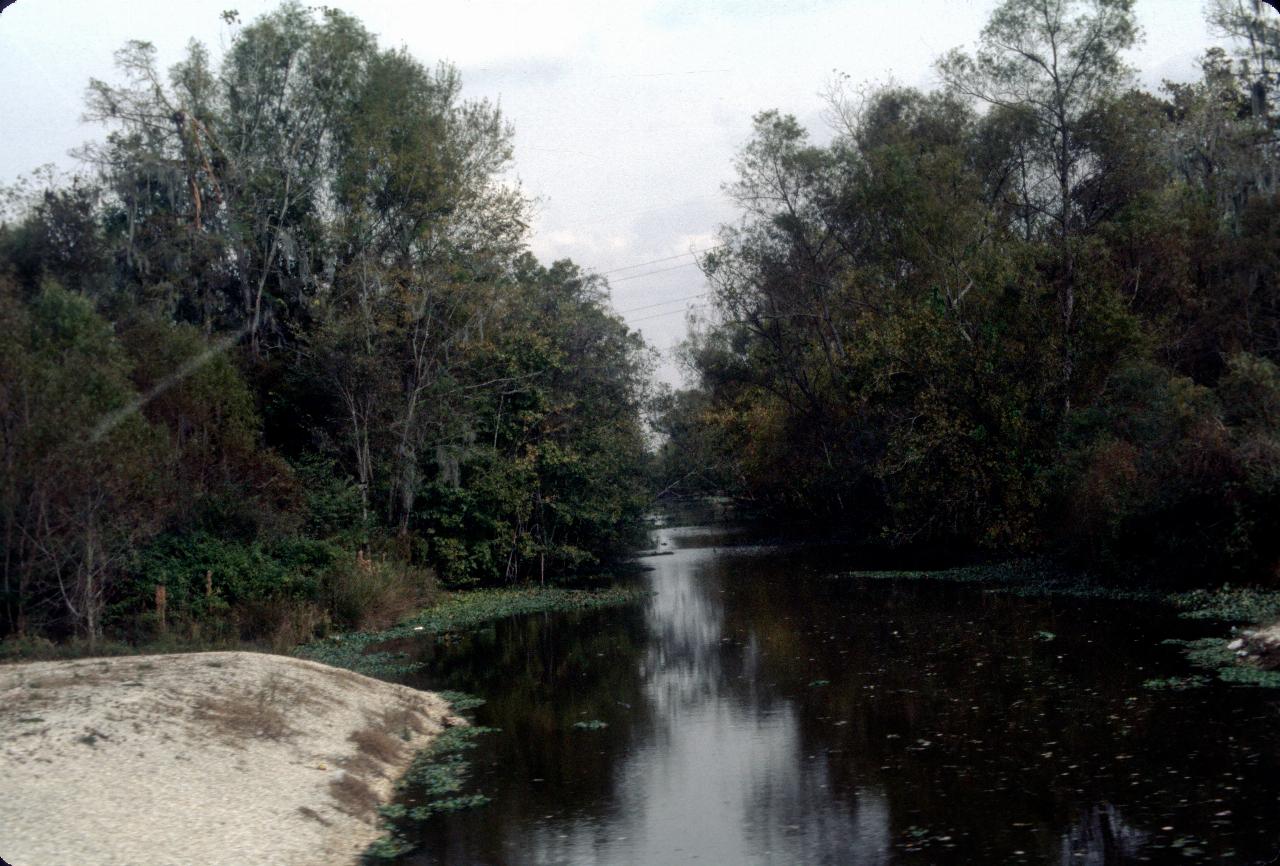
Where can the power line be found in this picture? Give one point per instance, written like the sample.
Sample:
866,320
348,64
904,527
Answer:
659,315
663,303
652,273
658,262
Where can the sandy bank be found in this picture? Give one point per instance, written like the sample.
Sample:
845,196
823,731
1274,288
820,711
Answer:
220,759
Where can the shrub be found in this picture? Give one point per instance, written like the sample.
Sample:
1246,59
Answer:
364,594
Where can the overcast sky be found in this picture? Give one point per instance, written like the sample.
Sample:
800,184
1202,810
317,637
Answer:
627,112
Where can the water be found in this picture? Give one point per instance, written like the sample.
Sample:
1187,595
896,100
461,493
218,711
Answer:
759,711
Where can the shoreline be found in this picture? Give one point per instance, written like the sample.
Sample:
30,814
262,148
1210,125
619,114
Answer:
220,758
357,739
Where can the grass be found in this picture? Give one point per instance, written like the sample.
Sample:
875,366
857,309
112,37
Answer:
377,744
353,795
251,714
459,611
39,649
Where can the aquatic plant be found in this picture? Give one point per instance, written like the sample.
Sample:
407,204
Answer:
434,781
1177,684
1036,578
1233,604
460,701
456,612
1247,675
1022,577
1215,654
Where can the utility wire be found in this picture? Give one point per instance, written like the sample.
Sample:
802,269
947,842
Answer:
659,261
652,273
662,303
659,315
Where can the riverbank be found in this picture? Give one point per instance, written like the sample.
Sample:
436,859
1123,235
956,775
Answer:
457,612
1248,653
282,760
221,758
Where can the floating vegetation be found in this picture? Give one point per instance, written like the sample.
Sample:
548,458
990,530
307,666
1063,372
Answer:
1216,654
592,725
459,611
915,839
815,684
460,701
1178,684
1021,577
1233,604
1247,675
433,783
1206,652
1031,577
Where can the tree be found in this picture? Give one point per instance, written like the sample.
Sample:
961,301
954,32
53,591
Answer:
83,481
1052,61
1257,40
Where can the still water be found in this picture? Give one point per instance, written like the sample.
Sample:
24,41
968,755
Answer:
761,711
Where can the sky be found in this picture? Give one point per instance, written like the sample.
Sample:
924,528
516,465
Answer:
627,113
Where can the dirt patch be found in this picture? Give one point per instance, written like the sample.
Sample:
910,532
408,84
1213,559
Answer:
222,759
353,795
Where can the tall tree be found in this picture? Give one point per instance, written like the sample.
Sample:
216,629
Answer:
1052,61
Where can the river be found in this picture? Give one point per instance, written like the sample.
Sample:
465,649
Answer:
760,710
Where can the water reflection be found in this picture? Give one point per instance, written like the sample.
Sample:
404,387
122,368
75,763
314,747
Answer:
1101,837
760,713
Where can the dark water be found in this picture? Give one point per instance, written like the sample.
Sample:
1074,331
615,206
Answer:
760,712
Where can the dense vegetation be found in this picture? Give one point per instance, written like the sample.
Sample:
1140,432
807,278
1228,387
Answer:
1036,310
281,352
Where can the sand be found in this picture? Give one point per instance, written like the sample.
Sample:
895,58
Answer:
217,759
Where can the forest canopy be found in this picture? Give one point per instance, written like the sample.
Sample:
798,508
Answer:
280,358
1035,310
281,350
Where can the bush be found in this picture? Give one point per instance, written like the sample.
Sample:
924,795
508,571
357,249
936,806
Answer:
366,595
283,592
282,623
1169,476
204,575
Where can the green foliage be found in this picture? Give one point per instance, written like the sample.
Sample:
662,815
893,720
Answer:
459,611
238,572
1031,314
1177,684
1215,655
291,337
553,481
81,472
431,786
1233,604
